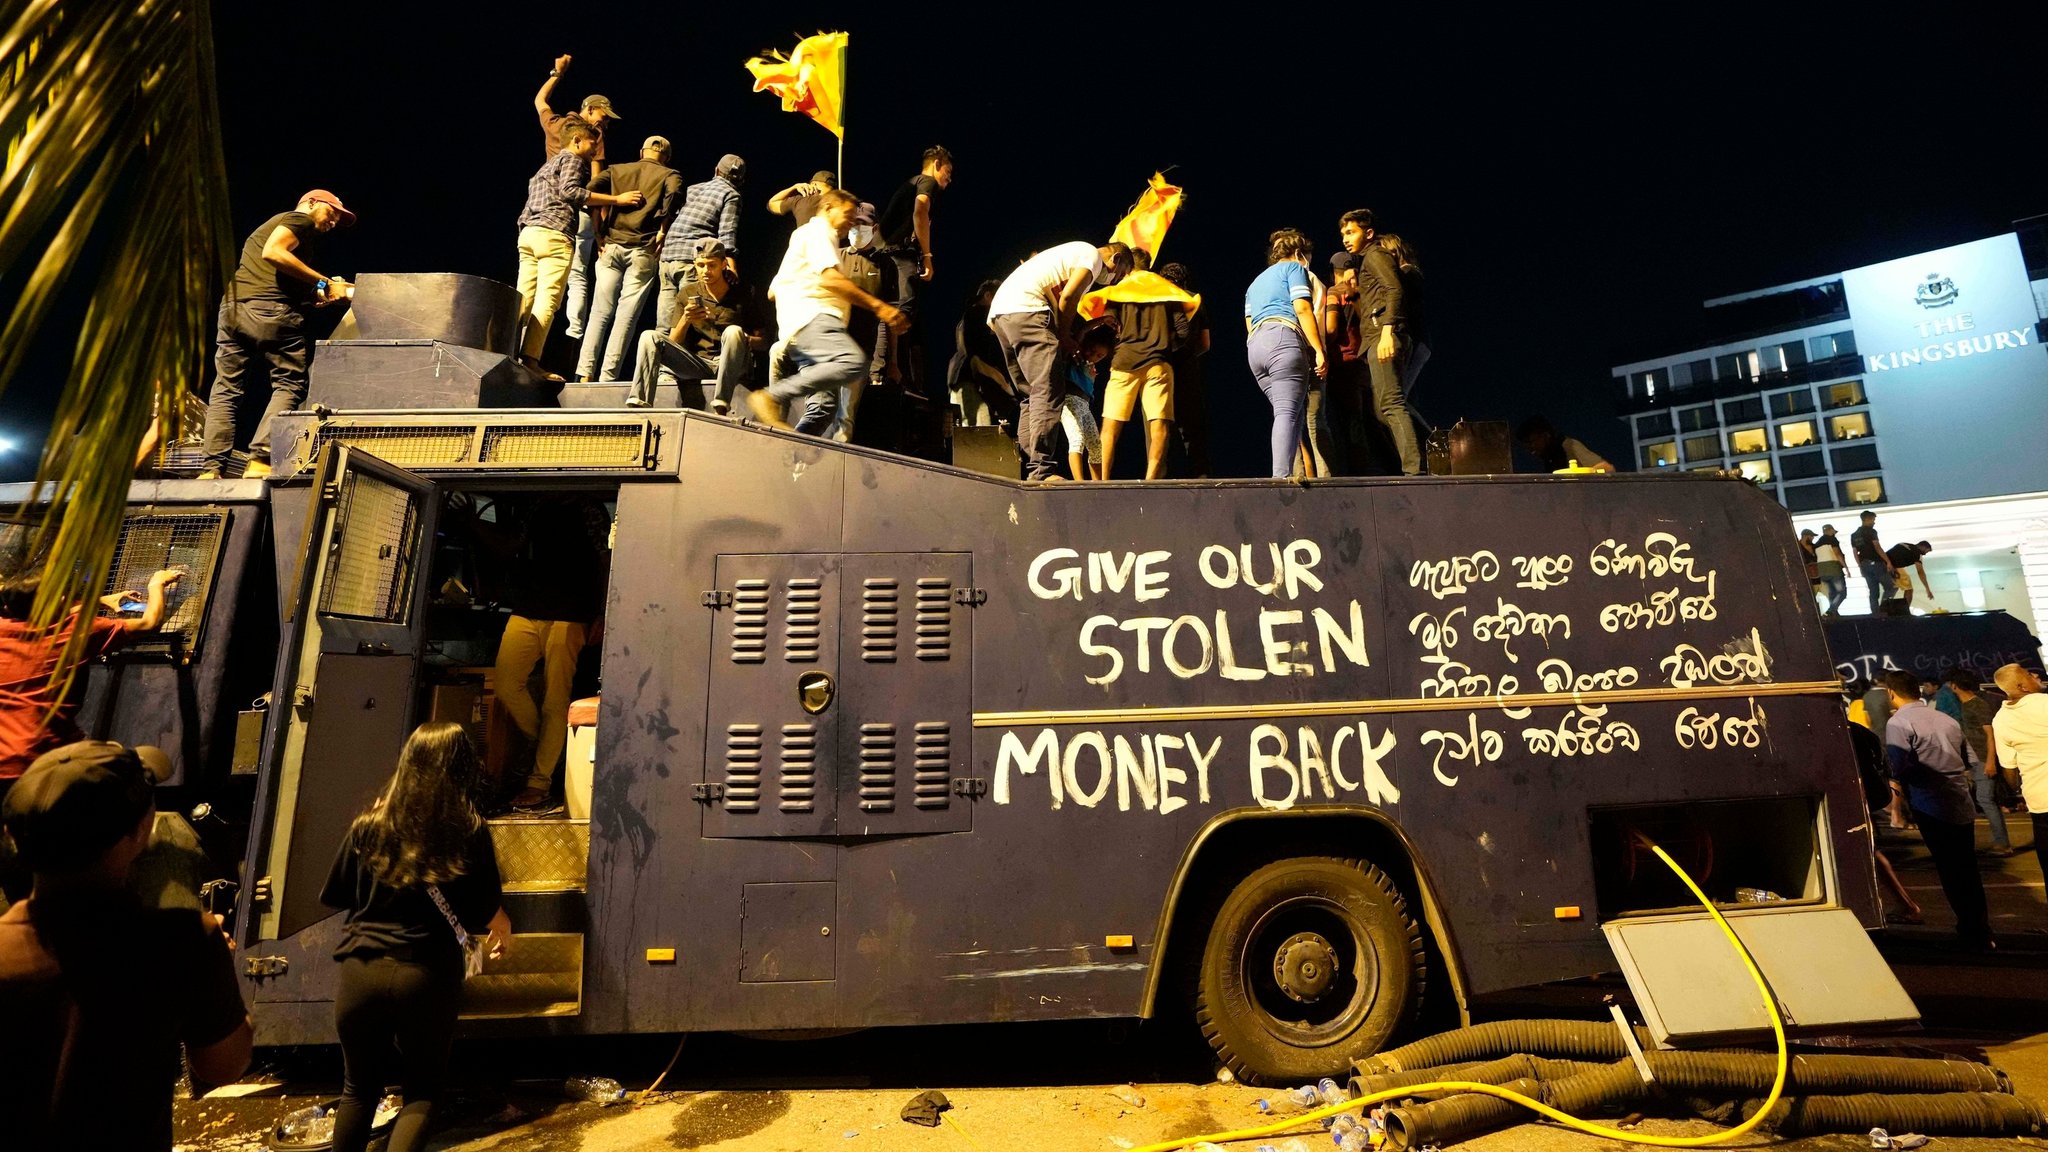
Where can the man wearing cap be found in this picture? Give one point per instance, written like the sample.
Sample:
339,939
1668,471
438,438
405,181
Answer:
263,322
799,202
596,111
717,332
99,993
626,260
710,211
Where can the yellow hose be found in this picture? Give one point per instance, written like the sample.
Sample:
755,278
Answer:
1537,1106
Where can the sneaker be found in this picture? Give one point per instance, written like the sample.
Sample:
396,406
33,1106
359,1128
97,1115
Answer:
2000,851
256,470
720,407
635,402
208,473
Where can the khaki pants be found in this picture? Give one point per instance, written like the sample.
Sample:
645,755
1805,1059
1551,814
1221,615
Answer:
555,644
544,256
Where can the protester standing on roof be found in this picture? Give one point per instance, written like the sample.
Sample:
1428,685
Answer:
596,113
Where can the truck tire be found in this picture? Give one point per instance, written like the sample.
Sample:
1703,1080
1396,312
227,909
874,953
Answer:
1311,963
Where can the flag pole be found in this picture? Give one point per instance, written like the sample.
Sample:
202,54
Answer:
842,112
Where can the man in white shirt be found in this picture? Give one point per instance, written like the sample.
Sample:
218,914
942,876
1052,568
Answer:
813,300
1032,316
2021,728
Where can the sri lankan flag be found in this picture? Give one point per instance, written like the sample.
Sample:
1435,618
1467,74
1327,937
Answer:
1145,227
810,80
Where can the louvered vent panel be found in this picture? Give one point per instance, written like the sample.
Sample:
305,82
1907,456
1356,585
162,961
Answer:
933,764
934,618
799,768
806,602
743,767
878,616
750,622
878,767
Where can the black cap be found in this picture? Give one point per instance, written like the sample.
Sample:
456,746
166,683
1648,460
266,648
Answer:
77,801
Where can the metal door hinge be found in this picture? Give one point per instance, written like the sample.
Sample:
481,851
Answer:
970,786
330,493
970,596
716,598
302,696
707,793
261,967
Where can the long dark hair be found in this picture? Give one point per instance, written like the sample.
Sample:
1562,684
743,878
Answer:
1402,252
418,832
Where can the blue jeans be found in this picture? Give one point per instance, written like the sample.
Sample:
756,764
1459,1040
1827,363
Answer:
722,374
1986,790
1835,586
1879,579
671,274
1280,362
579,272
825,359
623,275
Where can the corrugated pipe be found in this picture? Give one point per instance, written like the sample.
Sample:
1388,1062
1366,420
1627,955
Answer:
1457,1117
1726,1074
1516,1067
1598,1088
1938,1114
1567,1039
1965,1097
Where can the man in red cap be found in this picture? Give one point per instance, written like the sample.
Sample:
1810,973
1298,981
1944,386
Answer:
100,993
263,322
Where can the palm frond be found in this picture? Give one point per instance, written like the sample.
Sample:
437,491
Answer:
115,184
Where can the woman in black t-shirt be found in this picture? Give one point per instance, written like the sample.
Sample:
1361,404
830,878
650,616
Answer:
401,961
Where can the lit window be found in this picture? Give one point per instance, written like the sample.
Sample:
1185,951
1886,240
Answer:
1797,435
1755,471
1847,394
1853,426
1748,442
1663,455
1869,490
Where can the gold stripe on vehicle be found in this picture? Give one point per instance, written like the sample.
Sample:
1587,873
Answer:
1378,707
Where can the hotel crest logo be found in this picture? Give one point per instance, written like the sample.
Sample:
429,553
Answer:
1937,291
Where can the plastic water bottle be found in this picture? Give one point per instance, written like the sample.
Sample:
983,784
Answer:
1358,1139
596,1089
1292,1101
313,1124
1328,1092
1342,1123
1297,1144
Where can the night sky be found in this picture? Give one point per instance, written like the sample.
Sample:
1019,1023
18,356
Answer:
1575,185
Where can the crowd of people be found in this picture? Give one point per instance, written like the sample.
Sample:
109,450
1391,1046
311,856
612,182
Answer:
1936,756
841,313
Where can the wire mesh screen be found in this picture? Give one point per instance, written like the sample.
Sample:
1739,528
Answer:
370,565
565,445
406,447
185,542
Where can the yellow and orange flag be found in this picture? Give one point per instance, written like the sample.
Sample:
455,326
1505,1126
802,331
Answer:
810,80
1138,288
1145,227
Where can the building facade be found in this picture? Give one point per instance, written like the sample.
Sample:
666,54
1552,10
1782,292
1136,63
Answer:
1916,388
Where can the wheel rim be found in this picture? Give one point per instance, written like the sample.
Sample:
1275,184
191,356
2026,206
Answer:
1309,970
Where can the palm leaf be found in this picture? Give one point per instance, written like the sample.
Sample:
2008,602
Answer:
114,188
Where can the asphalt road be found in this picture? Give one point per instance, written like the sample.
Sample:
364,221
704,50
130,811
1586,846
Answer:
1056,1086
